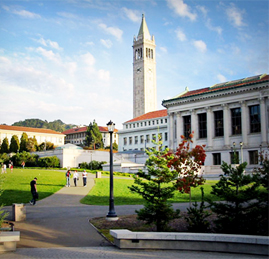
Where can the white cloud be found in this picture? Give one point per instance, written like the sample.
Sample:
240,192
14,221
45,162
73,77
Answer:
133,15
163,49
180,34
221,78
107,43
103,75
49,43
114,31
22,13
202,9
181,9
235,16
88,59
200,45
49,54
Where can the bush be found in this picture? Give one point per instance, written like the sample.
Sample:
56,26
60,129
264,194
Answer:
93,165
52,161
30,160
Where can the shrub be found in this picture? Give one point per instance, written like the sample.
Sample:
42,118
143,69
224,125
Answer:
52,161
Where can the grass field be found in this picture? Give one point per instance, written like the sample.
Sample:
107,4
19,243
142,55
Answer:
99,195
16,185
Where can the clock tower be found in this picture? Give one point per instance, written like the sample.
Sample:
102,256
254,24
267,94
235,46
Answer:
144,72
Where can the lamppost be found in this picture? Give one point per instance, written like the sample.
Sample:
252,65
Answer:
241,147
111,216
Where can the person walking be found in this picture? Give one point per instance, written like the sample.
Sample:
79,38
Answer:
84,176
23,164
75,178
5,168
33,191
68,174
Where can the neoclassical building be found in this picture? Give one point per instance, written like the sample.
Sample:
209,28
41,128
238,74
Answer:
41,135
77,135
138,133
231,119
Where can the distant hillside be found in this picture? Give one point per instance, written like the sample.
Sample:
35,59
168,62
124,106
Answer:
56,125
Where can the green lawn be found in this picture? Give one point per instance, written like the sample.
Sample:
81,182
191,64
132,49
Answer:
16,185
99,195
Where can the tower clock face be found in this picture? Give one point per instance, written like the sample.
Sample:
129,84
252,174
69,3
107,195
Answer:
139,69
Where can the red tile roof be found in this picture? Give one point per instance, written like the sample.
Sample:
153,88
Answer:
84,129
226,85
150,115
28,129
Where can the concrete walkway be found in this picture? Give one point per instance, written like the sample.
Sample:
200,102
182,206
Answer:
58,227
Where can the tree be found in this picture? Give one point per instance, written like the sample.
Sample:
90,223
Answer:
5,146
14,144
187,163
155,189
23,143
93,136
239,191
31,144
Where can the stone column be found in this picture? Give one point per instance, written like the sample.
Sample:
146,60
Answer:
194,127
209,126
244,123
226,125
179,127
171,130
263,121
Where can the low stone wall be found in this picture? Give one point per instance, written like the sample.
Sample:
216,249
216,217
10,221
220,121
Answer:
243,244
8,240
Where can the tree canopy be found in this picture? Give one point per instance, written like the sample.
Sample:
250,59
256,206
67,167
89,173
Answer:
93,136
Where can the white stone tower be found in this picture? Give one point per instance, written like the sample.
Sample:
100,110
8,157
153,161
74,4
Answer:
144,72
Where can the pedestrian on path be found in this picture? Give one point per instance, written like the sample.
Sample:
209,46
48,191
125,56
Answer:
75,178
68,174
84,176
33,191
5,168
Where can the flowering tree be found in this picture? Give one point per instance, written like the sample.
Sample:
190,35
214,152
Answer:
187,162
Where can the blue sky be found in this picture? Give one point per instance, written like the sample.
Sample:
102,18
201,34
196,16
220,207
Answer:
72,59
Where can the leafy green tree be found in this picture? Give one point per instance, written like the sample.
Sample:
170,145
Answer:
240,192
31,144
45,146
4,158
23,143
155,189
5,146
93,136
14,144
30,160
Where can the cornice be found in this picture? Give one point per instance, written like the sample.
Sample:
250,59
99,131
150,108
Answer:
215,94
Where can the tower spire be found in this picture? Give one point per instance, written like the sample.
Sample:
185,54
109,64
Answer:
144,31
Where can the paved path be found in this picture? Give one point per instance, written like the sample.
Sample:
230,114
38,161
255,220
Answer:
58,227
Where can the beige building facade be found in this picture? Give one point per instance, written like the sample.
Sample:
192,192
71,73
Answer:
41,135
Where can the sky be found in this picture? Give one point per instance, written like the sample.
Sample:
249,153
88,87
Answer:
72,59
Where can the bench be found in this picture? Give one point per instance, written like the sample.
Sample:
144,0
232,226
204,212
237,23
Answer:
8,240
243,244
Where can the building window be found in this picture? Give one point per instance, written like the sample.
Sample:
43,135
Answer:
141,139
153,122
153,136
157,121
218,119
165,120
136,139
124,141
236,121
133,125
216,158
149,123
165,136
161,121
202,125
255,118
147,138
160,136
234,157
137,125
145,123
187,126
253,157
130,140
141,124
